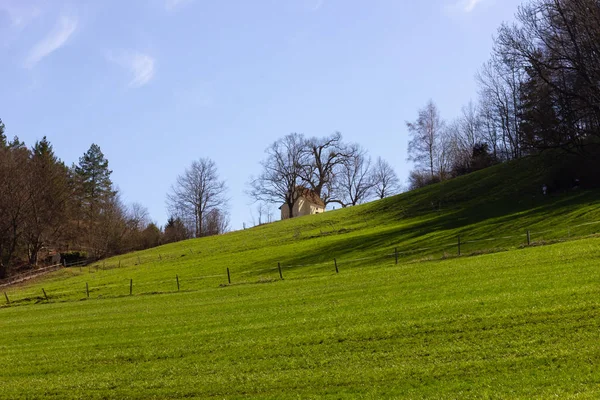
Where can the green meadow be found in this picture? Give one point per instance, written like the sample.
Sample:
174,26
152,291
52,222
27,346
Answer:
503,320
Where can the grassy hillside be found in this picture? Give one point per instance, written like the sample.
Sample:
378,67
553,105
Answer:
491,210
520,323
513,324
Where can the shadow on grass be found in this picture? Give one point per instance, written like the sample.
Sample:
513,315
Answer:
439,230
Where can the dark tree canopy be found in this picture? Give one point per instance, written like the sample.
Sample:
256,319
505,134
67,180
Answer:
94,176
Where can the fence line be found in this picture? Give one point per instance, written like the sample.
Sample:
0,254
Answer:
339,264
28,275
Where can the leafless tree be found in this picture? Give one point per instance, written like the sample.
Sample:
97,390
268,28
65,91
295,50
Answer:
138,217
556,43
353,183
196,193
384,179
15,202
320,158
427,144
464,134
216,222
469,124
110,228
500,81
488,126
281,172
265,213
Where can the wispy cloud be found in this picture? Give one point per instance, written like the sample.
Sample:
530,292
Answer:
171,5
469,5
57,38
141,66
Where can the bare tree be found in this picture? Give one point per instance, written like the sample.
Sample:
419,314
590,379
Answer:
320,158
427,147
196,193
265,213
500,81
469,127
110,229
353,183
216,222
384,179
282,172
556,43
138,217
14,202
463,135
488,126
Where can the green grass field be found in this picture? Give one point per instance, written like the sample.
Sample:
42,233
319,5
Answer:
504,320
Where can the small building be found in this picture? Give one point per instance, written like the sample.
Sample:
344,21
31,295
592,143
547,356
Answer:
308,203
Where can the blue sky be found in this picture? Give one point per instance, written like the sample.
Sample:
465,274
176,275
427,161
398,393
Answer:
160,83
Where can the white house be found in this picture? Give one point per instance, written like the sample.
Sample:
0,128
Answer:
308,203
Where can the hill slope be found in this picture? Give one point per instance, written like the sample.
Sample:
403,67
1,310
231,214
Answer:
520,323
490,210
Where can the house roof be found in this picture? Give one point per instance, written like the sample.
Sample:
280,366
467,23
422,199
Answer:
311,195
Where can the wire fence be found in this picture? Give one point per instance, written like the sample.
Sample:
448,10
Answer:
24,276
303,270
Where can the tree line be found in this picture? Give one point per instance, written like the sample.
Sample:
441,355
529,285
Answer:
48,208
540,90
51,212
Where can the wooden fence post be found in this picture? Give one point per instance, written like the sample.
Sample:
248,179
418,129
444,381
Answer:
7,300
130,287
87,290
177,277
337,271
396,254
139,262
279,267
459,245
228,276
45,295
528,238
